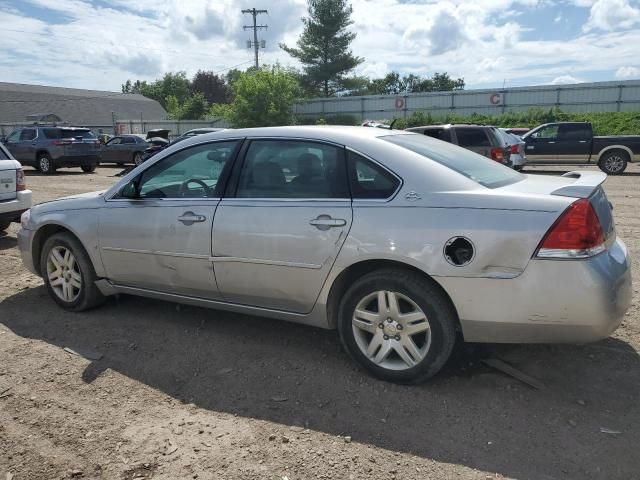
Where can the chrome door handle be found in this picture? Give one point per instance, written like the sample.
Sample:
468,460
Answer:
551,142
325,222
582,141
189,218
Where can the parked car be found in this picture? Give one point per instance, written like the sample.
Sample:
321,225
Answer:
516,144
158,140
124,149
398,240
48,148
574,142
14,196
487,141
194,132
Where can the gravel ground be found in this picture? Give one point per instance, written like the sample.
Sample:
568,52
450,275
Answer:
182,392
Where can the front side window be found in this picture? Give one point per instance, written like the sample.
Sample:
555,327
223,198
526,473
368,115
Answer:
487,173
547,133
190,173
472,137
27,134
292,169
14,137
115,141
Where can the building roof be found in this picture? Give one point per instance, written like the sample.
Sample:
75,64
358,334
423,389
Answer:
74,106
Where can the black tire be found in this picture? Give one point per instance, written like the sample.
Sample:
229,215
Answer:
428,296
88,296
4,226
89,168
614,162
44,164
137,159
518,168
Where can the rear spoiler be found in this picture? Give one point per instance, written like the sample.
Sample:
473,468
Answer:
586,182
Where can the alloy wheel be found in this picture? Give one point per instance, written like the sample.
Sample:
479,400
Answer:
391,330
64,274
614,163
44,164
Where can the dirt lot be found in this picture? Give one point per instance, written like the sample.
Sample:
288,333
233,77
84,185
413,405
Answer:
183,392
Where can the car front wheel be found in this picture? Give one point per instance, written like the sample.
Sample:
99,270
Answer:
45,165
398,325
89,168
68,273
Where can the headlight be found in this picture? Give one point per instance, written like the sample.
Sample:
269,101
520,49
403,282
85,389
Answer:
24,218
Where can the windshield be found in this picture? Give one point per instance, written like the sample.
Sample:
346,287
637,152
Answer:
487,173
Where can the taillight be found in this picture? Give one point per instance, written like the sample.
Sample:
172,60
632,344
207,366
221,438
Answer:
576,234
62,142
21,183
514,149
497,154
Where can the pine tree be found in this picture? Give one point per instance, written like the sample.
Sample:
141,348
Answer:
323,47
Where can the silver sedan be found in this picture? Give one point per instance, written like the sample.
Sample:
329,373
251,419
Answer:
402,242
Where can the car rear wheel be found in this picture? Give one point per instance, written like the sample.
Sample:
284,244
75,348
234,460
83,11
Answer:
68,273
137,158
89,168
614,163
398,325
45,165
4,226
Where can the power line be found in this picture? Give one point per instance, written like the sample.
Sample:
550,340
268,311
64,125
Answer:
255,29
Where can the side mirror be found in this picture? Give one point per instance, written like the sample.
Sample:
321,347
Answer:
131,190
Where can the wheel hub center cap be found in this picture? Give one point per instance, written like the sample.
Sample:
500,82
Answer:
391,329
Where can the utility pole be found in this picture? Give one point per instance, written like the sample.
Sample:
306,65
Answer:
255,29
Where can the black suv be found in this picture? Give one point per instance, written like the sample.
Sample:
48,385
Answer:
51,147
487,141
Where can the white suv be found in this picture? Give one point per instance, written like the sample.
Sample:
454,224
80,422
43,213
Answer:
14,196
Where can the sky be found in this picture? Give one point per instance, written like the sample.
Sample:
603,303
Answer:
99,44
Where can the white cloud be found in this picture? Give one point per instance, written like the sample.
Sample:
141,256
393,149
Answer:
374,69
565,80
612,15
628,72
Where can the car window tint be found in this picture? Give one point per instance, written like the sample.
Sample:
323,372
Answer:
472,137
28,134
369,180
487,173
573,131
190,173
51,133
115,141
128,140
292,169
549,133
439,133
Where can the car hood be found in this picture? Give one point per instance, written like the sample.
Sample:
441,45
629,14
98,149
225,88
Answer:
73,202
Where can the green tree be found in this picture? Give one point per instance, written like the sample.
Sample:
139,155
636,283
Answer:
171,84
262,98
323,48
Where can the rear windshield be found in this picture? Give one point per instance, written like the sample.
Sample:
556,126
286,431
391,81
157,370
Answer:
70,133
487,173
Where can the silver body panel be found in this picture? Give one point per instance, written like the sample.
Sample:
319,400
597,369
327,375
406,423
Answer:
261,256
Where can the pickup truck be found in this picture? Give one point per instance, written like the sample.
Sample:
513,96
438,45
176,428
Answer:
573,142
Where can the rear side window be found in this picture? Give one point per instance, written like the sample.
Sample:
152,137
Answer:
472,137
128,140
574,131
443,134
369,180
51,133
487,173
292,169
